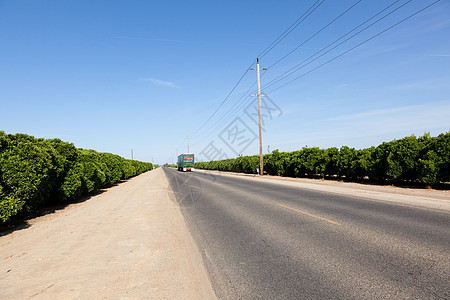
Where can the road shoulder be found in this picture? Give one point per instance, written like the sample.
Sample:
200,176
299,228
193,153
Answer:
130,241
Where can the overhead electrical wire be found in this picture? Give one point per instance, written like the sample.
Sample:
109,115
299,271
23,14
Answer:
242,102
310,10
269,48
228,115
276,42
224,100
302,64
288,31
311,37
354,47
291,28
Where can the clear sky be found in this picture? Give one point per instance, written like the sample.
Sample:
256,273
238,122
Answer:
143,75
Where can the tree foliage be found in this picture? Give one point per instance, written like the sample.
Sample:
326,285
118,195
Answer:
35,172
425,159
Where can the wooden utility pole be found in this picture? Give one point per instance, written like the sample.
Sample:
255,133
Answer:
261,170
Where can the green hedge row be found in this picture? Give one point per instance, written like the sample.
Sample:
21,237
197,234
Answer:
425,159
35,172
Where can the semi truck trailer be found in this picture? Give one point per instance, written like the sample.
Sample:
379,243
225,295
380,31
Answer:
186,162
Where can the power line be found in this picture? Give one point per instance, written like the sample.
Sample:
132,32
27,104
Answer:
311,37
244,101
233,111
221,121
226,98
291,28
303,63
360,44
288,31
214,127
267,50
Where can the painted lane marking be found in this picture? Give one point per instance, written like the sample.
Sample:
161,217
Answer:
308,214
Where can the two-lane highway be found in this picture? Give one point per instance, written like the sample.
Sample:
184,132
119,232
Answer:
263,240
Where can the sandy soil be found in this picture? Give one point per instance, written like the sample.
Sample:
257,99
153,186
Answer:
129,242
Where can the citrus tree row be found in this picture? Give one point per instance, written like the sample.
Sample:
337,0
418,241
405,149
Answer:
36,172
425,159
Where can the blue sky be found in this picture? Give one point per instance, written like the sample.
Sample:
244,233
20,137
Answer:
143,75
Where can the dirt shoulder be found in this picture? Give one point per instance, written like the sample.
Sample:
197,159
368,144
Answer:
433,199
127,242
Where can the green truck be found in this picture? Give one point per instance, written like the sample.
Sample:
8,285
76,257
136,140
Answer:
186,162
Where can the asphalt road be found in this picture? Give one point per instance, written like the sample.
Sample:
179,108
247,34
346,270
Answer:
263,240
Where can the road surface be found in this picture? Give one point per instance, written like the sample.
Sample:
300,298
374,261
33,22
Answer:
264,240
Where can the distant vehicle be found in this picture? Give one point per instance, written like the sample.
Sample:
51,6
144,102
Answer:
186,162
